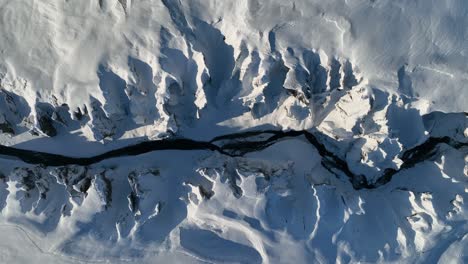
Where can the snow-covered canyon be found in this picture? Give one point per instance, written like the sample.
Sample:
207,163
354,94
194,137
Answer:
233,131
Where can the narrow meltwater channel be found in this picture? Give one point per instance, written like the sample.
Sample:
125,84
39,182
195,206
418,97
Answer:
239,144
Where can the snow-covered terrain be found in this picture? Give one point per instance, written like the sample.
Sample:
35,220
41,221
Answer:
248,131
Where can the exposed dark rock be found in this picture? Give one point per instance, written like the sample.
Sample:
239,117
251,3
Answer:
7,128
84,185
78,114
107,190
46,126
205,193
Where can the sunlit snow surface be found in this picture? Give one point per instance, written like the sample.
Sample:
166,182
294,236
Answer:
375,79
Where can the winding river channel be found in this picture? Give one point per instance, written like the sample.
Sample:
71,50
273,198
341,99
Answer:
239,144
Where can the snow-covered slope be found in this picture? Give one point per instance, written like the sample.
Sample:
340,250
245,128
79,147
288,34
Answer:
355,112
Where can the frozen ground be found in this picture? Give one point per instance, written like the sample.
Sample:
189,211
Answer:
376,90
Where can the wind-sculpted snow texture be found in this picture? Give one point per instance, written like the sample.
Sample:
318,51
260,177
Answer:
170,131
